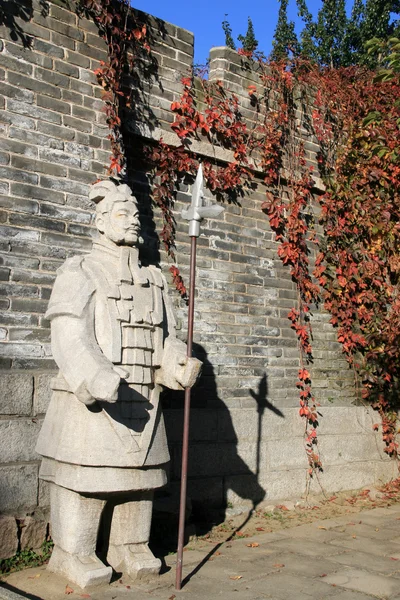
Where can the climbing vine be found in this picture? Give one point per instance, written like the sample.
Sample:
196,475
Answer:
346,257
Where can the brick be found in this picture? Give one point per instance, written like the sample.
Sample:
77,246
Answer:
67,214
79,230
4,158
37,166
83,113
33,84
66,68
37,222
37,249
13,350
78,124
19,487
66,240
76,58
38,193
64,133
18,175
33,139
10,318
17,120
17,93
63,185
27,55
52,104
91,51
85,177
65,16
72,97
48,49
10,289
40,336
63,40
17,66
33,111
34,363
52,77
34,276
83,88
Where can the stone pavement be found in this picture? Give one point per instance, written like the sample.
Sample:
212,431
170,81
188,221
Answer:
355,557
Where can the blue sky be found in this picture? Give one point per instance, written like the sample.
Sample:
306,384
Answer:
204,19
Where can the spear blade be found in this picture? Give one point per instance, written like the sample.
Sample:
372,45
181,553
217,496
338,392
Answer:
198,210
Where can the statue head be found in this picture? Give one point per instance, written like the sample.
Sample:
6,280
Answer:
117,215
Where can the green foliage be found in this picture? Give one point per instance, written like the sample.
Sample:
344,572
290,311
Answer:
334,40
285,39
249,42
330,32
25,559
228,34
387,56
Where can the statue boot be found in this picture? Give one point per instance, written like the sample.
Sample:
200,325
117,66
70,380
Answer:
74,527
128,549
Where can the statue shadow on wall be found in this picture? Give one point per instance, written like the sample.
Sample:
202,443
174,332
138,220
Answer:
234,473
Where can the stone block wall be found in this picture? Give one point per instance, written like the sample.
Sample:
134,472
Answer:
247,441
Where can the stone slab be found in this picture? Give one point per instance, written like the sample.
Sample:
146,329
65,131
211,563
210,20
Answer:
362,581
16,394
8,536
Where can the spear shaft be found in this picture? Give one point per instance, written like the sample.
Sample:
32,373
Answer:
194,214
186,419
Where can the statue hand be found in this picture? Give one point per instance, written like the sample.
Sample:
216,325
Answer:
188,371
177,370
104,386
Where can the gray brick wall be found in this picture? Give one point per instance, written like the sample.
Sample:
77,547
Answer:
246,433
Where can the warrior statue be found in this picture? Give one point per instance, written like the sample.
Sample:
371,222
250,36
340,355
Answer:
103,440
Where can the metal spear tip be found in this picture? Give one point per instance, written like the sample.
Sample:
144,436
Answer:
198,188
198,210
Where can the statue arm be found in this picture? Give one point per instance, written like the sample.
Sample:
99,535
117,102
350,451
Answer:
87,371
177,371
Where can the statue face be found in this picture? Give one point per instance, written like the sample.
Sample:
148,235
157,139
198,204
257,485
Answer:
121,225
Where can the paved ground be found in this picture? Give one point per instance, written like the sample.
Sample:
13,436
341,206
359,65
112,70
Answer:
356,557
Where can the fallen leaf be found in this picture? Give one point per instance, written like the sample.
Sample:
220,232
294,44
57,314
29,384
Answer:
393,558
85,596
128,587
68,590
354,537
321,527
323,575
278,565
253,545
236,577
172,597
260,529
282,507
34,576
217,553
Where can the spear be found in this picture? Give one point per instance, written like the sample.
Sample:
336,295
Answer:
195,214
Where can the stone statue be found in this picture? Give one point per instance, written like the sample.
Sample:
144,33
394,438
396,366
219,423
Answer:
103,440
